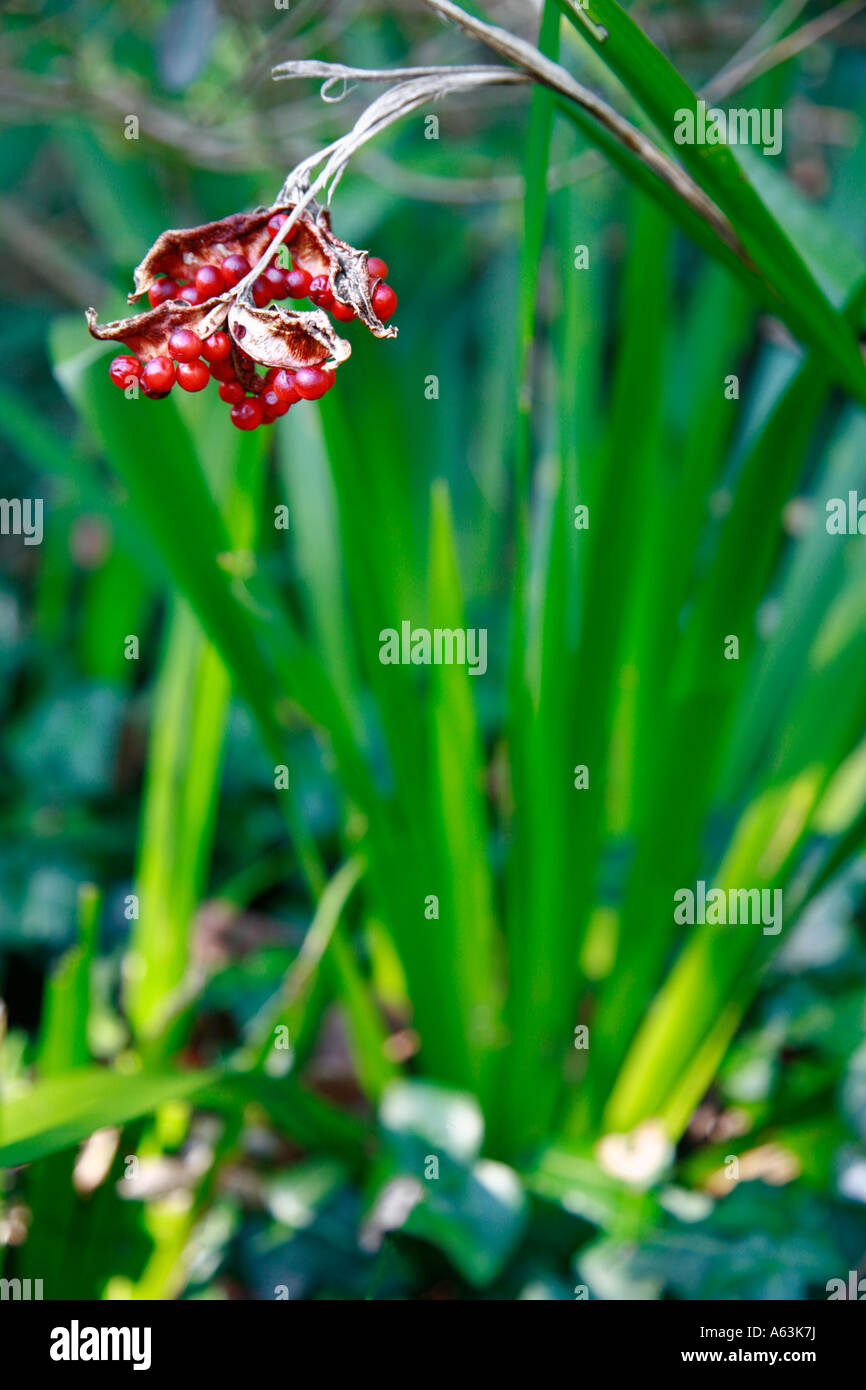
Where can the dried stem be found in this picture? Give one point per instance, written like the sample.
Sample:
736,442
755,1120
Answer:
420,86
737,74
551,74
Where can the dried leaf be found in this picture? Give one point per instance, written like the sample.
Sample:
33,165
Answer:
147,334
286,337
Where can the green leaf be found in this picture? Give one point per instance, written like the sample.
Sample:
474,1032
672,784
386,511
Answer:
464,936
653,81
474,1211
62,1110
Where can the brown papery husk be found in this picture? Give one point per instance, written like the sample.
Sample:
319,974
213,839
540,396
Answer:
287,338
147,334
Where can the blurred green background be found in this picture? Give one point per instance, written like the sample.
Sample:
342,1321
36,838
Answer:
243,1056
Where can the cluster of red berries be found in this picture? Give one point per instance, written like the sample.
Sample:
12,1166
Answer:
263,399
274,393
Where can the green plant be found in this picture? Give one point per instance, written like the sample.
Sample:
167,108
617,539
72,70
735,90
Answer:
500,873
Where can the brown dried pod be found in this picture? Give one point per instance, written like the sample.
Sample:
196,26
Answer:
180,253
147,334
286,337
273,337
316,250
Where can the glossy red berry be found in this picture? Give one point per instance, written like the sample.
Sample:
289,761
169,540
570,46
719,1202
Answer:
312,382
217,348
247,414
222,371
344,312
153,395
190,295
184,345
320,292
262,292
384,301
231,392
161,290
193,376
123,369
284,385
209,281
273,403
158,374
276,222
298,283
275,276
377,269
234,268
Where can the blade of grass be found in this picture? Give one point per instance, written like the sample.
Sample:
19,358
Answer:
717,970
656,85
465,947
63,1042
184,763
62,1110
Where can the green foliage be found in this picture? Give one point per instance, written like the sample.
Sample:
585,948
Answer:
431,1001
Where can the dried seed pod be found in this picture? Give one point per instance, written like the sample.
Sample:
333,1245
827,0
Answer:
278,337
147,334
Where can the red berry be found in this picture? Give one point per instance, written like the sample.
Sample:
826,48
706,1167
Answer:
275,276
276,222
161,290
284,385
320,292
209,281
154,395
158,374
384,302
190,295
217,348
247,414
344,312
122,369
262,293
222,371
377,269
234,268
298,283
312,382
273,403
232,392
193,376
184,345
